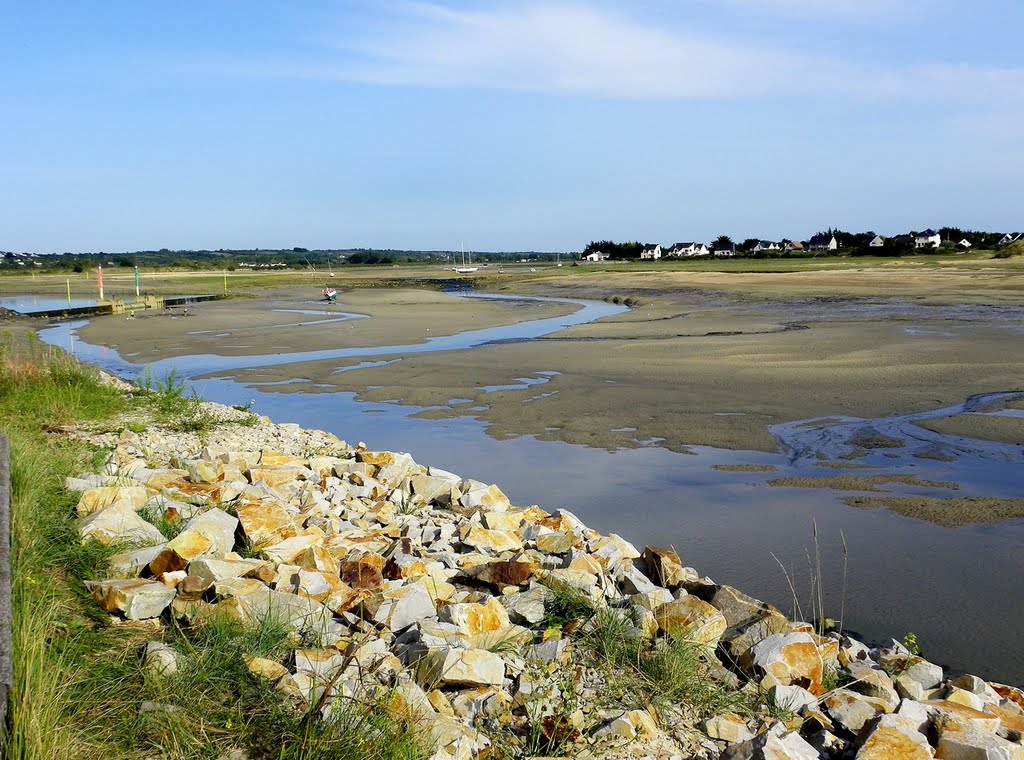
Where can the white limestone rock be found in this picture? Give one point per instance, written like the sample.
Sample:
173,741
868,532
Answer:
137,599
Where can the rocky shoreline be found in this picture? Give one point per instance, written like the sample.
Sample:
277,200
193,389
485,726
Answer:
473,619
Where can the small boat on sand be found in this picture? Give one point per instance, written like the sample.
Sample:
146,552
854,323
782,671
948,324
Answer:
467,265
330,294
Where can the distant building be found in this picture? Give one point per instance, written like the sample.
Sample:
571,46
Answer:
877,242
927,239
764,245
597,256
965,243
651,251
1011,237
726,251
687,249
823,241
793,245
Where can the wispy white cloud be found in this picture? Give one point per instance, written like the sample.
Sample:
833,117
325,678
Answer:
847,10
590,50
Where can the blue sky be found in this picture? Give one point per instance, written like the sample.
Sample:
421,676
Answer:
518,125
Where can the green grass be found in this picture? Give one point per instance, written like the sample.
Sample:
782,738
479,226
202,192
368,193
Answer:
78,680
566,606
660,672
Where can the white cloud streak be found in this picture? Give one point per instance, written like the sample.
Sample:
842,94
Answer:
575,49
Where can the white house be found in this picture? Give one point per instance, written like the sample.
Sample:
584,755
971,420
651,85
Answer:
965,243
1011,237
764,245
877,242
823,241
651,251
687,249
927,239
597,256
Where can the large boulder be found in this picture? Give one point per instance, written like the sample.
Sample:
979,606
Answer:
964,743
120,523
400,607
777,743
265,523
786,658
457,667
692,619
895,738
137,599
94,499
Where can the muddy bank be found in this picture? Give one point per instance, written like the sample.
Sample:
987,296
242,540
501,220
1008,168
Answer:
985,426
289,320
949,513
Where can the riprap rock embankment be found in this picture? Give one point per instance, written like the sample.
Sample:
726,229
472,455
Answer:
476,620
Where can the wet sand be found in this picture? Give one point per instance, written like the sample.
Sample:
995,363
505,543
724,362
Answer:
985,426
949,513
860,482
284,320
686,366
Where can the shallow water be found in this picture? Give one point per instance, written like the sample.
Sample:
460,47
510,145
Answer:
957,590
30,304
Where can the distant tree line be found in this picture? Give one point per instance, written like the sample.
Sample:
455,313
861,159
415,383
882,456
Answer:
615,250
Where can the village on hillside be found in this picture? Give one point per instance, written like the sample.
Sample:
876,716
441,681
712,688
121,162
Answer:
831,241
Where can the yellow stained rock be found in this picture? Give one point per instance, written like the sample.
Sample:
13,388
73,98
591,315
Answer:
264,668
507,521
270,458
557,542
274,476
378,458
693,619
475,619
483,539
94,499
664,566
288,550
182,549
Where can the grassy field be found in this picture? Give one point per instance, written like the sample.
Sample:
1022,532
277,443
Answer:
119,282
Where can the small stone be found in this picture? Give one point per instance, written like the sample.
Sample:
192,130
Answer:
401,607
664,567
728,727
852,710
503,574
159,658
264,668
477,494
461,667
774,744
484,540
486,617
132,563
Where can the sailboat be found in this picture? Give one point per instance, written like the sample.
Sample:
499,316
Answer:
466,268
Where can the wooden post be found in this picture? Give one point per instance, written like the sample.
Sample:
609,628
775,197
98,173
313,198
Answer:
68,281
99,279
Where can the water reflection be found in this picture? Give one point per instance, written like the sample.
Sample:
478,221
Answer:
958,590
